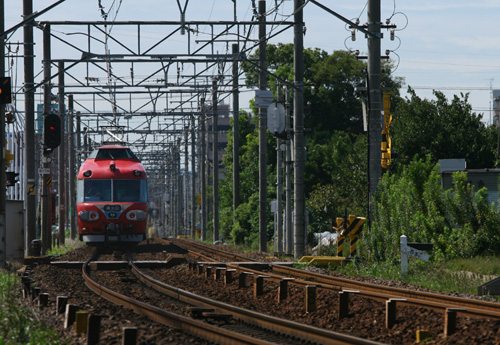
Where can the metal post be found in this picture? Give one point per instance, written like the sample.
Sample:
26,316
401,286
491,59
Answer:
298,131
215,149
288,177
72,169
262,131
375,97
279,189
203,163
193,180
186,187
3,178
236,133
61,158
29,131
45,200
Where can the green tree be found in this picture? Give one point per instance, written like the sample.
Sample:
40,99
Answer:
243,226
330,97
336,178
460,222
441,129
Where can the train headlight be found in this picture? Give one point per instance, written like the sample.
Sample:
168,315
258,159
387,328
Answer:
89,216
136,215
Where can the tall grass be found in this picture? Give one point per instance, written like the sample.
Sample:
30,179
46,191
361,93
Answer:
460,275
17,324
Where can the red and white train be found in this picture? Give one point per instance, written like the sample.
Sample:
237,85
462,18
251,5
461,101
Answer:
112,197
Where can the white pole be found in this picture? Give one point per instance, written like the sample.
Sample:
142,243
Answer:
403,241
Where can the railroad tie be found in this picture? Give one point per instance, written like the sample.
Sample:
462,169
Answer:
94,329
43,299
81,318
450,320
70,315
35,292
343,309
258,285
196,312
390,311
217,316
228,277
283,289
310,298
243,279
129,336
61,302
218,272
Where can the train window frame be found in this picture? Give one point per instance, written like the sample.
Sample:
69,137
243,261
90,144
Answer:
95,190
122,193
142,194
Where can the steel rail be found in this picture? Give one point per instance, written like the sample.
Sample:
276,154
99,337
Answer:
435,301
291,328
477,308
200,329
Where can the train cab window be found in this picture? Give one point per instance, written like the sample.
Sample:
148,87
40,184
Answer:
97,190
129,190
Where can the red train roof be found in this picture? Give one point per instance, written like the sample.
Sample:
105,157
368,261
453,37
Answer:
123,165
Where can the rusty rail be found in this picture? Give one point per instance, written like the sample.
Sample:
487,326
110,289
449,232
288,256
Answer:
294,329
200,329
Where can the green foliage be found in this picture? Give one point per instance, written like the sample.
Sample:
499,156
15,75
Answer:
330,82
243,226
436,276
459,222
68,245
441,129
335,179
17,325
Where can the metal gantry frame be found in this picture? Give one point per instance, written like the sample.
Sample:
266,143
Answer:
153,95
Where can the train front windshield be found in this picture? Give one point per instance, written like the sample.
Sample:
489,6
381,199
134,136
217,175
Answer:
112,191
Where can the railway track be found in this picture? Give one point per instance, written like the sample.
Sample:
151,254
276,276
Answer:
250,328
434,301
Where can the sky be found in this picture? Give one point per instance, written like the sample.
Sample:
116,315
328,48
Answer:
445,45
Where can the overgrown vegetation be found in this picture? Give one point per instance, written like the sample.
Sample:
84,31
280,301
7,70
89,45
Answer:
17,324
460,222
69,244
439,276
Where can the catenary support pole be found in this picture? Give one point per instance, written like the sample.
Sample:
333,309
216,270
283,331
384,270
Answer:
72,169
193,178
262,131
298,131
375,99
187,228
203,163
46,179
61,158
279,188
236,133
215,149
288,177
3,178
29,131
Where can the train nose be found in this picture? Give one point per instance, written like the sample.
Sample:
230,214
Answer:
113,228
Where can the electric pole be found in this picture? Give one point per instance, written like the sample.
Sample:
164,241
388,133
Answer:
262,131
298,131
375,99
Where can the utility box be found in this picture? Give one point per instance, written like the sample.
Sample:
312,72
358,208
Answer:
15,230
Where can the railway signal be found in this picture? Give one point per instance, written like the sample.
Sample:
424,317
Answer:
51,131
5,90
